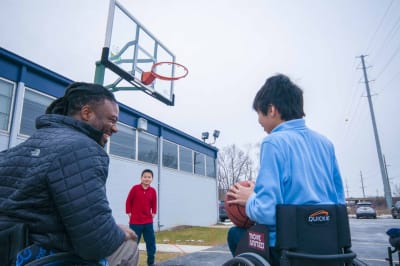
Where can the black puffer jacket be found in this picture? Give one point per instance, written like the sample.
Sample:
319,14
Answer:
55,183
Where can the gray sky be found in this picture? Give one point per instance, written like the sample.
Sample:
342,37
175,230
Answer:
230,48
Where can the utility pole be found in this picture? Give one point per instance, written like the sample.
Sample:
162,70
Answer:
385,180
362,185
386,171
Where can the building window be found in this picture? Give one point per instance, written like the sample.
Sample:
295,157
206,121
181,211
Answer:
6,96
210,166
170,154
185,159
147,148
123,143
35,105
199,163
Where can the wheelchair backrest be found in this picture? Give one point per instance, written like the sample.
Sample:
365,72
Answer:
315,229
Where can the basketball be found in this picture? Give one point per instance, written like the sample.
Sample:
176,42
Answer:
237,213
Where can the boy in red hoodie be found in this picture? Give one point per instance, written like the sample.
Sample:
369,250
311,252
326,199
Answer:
141,207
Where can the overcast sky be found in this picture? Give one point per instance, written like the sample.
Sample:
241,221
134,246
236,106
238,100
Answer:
230,48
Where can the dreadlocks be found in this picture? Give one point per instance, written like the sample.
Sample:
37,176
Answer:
77,95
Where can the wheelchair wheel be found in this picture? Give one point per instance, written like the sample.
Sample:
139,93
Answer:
247,259
238,261
61,259
256,259
357,262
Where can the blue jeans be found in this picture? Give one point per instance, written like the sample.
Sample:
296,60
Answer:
148,234
234,236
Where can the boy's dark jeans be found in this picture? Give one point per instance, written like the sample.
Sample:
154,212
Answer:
148,234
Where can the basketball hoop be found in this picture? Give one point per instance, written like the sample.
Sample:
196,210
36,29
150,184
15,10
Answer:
164,71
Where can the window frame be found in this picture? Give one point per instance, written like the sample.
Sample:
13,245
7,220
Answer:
208,159
177,154
180,156
12,101
23,105
135,146
203,173
156,138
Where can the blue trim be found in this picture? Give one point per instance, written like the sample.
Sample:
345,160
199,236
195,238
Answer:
19,69
38,78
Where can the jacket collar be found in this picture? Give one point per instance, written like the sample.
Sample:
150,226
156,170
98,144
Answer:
53,120
291,124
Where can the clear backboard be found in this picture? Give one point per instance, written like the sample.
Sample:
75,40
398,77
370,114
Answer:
129,50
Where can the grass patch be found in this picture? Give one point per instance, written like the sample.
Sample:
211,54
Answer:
193,235
186,235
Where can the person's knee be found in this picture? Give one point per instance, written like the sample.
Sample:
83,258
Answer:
126,254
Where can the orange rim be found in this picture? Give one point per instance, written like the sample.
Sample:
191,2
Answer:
166,77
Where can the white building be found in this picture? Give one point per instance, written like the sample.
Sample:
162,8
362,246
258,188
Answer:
184,167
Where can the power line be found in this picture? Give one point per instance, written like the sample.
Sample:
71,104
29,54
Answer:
390,81
379,25
388,63
389,36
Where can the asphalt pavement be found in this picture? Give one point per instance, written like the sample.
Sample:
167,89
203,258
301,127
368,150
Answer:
368,238
212,256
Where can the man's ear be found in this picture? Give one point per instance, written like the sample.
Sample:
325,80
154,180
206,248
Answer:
86,112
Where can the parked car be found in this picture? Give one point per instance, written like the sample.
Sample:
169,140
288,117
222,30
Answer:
396,210
222,212
365,210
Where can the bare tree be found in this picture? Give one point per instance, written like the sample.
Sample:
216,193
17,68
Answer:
233,165
396,190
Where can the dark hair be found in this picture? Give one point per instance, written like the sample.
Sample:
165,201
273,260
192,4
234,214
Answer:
77,95
147,171
282,93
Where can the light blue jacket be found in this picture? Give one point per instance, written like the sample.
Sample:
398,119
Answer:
297,166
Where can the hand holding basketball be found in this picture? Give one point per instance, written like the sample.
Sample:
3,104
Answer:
235,201
240,192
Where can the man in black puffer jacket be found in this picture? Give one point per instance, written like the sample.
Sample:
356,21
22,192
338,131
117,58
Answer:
54,182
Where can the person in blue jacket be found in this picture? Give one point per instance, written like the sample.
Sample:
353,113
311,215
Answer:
54,182
297,164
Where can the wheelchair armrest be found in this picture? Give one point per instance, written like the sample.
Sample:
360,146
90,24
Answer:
62,258
299,255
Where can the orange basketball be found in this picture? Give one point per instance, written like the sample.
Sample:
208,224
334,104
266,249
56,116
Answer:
237,213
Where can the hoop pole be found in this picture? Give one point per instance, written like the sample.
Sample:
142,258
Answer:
99,73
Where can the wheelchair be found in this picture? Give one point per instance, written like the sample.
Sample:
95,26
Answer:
394,240
16,238
305,235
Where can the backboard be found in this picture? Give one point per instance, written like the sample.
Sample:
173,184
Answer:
129,50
